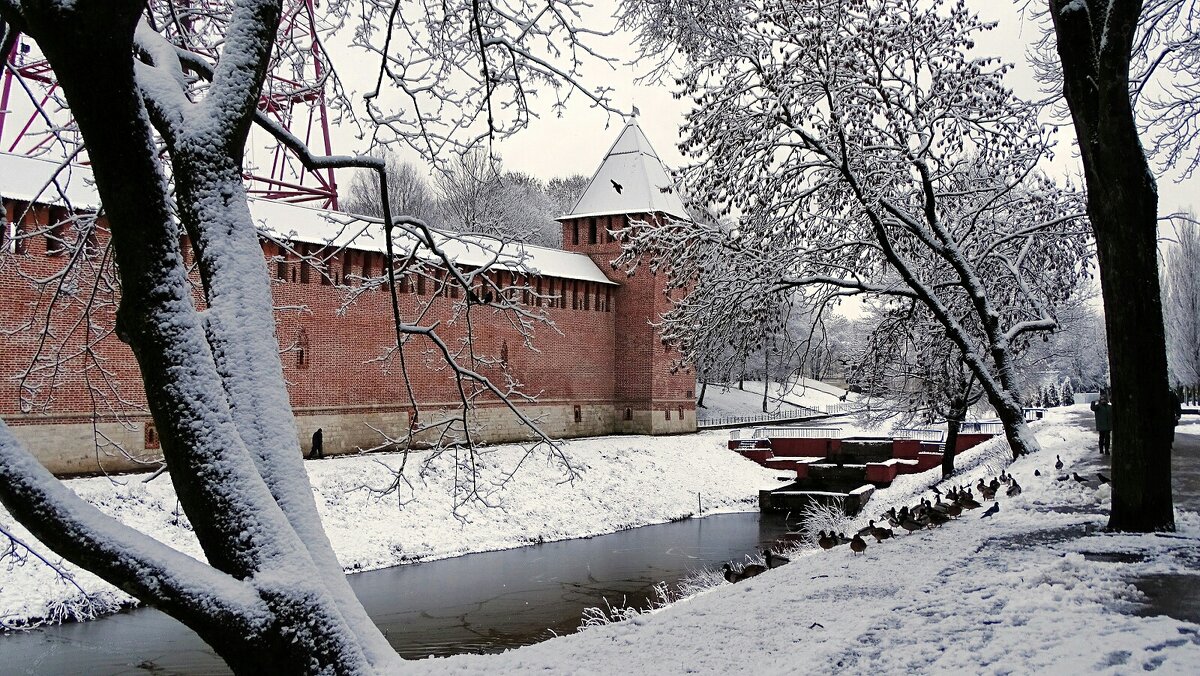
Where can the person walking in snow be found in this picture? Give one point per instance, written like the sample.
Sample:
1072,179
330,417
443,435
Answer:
1103,411
317,444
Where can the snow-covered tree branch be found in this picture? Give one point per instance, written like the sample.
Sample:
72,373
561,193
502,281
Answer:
861,148
186,85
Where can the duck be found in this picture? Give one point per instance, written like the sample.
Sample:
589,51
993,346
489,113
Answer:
880,533
988,493
858,545
981,486
842,539
827,541
911,525
943,507
968,501
1037,472
752,569
774,560
1005,477
1014,489
994,484
731,575
1058,463
936,518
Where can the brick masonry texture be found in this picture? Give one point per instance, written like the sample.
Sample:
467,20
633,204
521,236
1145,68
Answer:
71,406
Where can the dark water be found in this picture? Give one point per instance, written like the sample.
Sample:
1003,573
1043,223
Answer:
485,602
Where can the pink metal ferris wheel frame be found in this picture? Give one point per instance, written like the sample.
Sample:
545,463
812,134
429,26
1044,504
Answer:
296,102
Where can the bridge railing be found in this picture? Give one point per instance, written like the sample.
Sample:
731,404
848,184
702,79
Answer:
921,433
787,433
976,427
789,414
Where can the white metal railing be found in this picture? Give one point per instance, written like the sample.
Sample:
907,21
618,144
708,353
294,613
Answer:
786,433
977,427
802,412
920,433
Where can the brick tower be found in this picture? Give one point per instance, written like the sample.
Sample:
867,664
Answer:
650,397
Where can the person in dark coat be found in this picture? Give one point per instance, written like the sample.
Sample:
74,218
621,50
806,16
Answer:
1174,403
317,440
1104,422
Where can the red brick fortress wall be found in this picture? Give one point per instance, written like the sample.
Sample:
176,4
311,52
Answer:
601,359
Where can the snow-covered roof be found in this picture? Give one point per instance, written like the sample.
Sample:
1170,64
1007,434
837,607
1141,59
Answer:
297,223
630,180
32,179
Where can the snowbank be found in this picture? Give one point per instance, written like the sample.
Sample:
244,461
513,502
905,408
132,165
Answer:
1021,592
626,481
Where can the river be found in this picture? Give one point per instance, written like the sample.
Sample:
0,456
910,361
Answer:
485,602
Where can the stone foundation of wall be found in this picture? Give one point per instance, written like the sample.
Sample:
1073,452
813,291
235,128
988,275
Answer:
76,448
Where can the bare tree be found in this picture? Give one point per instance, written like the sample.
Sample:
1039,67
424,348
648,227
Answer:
1181,306
1098,44
867,153
564,192
476,195
271,596
409,192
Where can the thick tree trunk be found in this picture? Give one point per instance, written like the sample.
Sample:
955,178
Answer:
1094,45
954,419
281,614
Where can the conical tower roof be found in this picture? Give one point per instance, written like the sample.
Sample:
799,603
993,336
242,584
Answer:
630,180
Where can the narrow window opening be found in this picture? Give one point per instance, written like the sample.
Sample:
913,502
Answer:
347,266
578,413
668,412
607,299
628,413
59,220
281,265
17,223
592,230
420,284
575,236
302,357
305,265
150,436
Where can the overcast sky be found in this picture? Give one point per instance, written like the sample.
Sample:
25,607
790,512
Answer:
575,141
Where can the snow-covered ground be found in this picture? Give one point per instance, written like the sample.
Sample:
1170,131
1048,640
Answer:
723,401
625,481
1038,588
